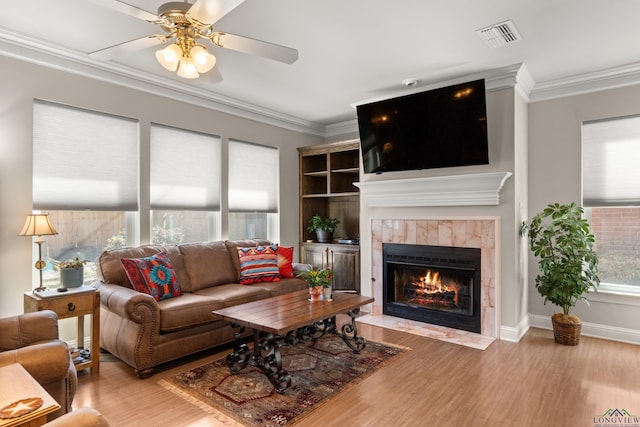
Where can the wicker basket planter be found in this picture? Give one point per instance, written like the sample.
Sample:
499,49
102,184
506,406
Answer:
566,328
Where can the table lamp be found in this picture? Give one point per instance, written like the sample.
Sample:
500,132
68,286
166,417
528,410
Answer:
38,225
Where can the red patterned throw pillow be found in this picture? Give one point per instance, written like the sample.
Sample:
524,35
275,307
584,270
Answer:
285,261
153,275
259,264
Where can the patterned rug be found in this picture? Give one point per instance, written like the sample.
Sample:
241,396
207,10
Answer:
319,371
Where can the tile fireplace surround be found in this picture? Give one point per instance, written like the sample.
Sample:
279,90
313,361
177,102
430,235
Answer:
468,233
453,210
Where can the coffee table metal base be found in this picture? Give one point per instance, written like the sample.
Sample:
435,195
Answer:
266,354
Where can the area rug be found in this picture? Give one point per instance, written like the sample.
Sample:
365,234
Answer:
319,371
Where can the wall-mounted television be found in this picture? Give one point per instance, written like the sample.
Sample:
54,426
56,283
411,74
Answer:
438,128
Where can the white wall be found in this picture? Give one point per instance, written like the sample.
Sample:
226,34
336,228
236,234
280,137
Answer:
21,82
555,176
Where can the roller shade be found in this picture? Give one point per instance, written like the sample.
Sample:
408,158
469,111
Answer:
253,177
83,159
185,170
610,153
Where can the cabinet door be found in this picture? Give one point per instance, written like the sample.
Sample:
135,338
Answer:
344,260
314,255
346,265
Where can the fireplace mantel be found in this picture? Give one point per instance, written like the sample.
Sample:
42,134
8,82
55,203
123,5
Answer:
479,189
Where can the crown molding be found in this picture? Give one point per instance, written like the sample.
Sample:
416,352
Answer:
624,75
52,56
46,54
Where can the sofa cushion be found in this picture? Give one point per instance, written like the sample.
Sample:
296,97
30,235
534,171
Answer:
207,264
284,286
110,269
232,294
187,311
259,264
153,275
285,261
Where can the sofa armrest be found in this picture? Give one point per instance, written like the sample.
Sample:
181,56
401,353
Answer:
26,329
128,303
81,417
46,362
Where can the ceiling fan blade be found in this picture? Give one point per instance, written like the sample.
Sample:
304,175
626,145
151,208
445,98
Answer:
256,47
210,11
126,47
122,7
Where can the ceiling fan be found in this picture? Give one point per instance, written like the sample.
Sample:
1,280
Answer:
186,26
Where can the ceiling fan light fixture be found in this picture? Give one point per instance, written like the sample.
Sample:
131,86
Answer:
169,57
203,59
187,68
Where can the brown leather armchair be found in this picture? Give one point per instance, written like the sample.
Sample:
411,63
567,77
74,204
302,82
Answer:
31,339
83,417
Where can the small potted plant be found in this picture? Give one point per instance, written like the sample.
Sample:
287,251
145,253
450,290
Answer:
317,279
71,272
559,236
323,227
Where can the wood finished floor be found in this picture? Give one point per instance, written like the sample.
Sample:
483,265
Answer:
533,383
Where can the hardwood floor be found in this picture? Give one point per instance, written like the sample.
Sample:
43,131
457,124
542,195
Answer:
533,383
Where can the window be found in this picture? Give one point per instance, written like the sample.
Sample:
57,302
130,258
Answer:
85,174
185,185
611,198
253,191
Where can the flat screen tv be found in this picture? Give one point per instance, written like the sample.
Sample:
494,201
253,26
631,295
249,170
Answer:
438,128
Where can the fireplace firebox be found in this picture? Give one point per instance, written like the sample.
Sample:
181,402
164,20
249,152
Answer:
433,284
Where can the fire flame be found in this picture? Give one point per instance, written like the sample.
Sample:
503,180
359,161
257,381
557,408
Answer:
431,283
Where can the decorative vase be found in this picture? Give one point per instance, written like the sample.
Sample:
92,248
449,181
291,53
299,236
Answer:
324,236
326,294
566,328
72,277
315,293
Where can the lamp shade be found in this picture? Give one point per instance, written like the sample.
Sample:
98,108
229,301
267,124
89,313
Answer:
169,57
203,59
37,225
187,68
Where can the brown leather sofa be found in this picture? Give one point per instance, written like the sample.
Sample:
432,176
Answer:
31,339
145,333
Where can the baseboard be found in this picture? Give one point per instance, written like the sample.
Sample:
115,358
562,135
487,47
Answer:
72,343
595,330
507,333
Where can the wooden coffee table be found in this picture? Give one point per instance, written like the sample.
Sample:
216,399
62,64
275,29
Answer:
288,318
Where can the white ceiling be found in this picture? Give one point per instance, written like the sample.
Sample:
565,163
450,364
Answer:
351,51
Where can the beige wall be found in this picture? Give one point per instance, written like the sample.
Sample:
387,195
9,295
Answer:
21,82
555,176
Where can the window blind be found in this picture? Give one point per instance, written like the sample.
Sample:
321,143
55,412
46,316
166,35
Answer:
185,170
83,159
253,177
610,153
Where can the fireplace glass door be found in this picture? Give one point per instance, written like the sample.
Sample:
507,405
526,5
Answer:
435,288
433,284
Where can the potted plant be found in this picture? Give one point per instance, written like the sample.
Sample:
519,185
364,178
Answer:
317,279
323,227
559,236
71,272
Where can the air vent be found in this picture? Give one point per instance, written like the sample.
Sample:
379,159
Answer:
499,34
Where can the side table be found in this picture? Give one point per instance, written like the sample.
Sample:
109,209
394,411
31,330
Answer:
73,303
16,384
